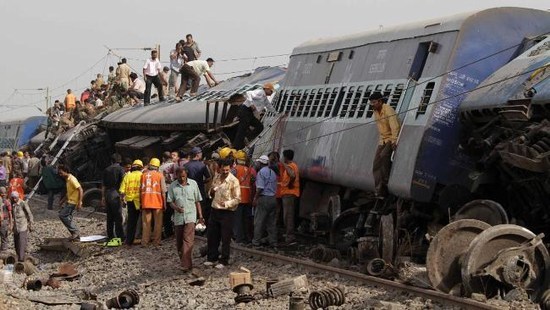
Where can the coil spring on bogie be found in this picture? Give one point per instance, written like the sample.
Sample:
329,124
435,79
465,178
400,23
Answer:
322,299
324,254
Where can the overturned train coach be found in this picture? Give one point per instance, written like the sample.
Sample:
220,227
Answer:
484,157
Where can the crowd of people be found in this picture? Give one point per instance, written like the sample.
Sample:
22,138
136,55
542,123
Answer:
236,200
125,88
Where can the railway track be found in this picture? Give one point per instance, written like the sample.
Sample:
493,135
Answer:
369,280
443,298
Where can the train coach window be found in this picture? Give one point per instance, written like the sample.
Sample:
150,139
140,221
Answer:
319,106
347,101
387,91
319,58
302,103
425,100
292,102
325,102
355,101
364,102
310,102
394,100
279,105
331,102
351,54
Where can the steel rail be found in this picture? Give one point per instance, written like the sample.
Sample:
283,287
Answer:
312,266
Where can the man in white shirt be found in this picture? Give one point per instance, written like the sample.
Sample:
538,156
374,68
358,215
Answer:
137,87
151,74
193,71
176,61
256,102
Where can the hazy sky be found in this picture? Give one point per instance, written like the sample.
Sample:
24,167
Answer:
60,44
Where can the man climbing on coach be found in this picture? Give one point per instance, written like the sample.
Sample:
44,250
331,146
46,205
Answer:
388,130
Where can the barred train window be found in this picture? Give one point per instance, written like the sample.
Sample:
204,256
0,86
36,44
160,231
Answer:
355,102
425,100
347,101
310,102
319,103
324,102
331,102
378,88
302,103
394,101
364,102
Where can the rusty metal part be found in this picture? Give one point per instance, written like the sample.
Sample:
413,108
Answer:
243,293
125,300
296,303
53,283
9,259
367,248
446,249
488,211
504,257
387,238
25,267
369,280
376,267
545,300
34,285
324,254
333,296
268,284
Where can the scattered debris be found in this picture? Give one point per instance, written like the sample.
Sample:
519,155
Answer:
333,296
25,267
34,285
296,302
288,286
67,272
124,300
324,254
241,283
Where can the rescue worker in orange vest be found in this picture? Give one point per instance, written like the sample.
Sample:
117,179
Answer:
242,225
130,194
17,184
290,191
153,202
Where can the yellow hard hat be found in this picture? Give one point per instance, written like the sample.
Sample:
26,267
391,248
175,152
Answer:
240,155
137,162
19,154
224,152
155,162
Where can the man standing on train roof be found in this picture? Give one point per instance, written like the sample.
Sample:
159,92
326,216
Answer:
388,130
256,101
152,71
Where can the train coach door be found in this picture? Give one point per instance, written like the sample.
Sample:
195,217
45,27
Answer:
415,73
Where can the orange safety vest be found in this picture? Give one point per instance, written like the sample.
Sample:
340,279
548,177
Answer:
152,196
279,181
16,185
285,180
244,174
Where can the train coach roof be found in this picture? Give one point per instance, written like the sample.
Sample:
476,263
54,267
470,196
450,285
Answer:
513,81
190,111
411,30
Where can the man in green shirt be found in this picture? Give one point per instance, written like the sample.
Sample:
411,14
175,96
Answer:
184,197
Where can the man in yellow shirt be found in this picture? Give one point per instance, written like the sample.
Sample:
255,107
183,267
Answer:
70,101
388,130
72,201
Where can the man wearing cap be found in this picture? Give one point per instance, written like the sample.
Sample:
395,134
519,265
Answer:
198,172
265,203
23,219
184,198
193,70
243,215
153,202
6,223
226,195
168,169
73,200
130,194
110,198
388,130
256,102
17,164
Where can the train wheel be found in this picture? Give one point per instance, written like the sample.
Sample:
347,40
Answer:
488,211
92,198
506,256
446,250
343,233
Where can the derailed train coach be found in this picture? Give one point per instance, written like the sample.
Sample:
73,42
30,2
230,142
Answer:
425,70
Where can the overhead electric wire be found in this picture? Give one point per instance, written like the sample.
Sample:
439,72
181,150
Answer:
80,75
411,109
426,81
